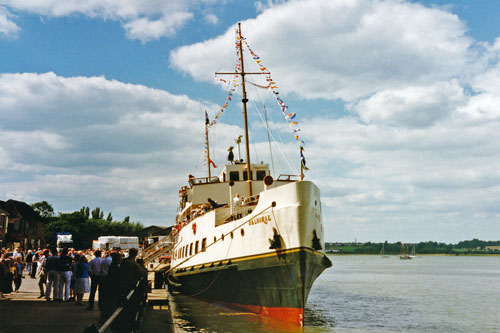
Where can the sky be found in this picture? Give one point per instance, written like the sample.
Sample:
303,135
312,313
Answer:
102,104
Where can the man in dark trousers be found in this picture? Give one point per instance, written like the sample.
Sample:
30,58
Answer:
52,267
109,290
95,277
130,273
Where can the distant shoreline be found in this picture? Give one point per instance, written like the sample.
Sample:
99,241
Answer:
421,255
468,247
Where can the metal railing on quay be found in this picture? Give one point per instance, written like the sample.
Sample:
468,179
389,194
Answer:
127,317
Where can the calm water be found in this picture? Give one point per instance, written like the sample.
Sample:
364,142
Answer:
370,294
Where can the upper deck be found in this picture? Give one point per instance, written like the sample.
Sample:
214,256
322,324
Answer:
232,181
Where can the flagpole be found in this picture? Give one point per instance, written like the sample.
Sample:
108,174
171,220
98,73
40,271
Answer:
302,163
301,171
207,144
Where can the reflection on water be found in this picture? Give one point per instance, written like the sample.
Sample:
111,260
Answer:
365,293
193,315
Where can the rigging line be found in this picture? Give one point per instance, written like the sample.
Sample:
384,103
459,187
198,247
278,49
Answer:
197,165
284,158
280,150
269,141
254,145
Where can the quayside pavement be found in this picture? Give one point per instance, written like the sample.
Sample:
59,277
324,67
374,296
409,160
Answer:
25,312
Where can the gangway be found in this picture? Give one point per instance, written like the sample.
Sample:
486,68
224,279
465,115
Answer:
155,250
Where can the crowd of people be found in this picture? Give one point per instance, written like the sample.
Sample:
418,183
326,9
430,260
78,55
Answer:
67,275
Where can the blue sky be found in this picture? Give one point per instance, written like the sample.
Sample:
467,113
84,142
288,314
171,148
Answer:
397,101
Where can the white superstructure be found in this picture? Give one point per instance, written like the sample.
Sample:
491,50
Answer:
287,209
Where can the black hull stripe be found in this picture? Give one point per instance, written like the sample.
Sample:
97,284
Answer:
281,279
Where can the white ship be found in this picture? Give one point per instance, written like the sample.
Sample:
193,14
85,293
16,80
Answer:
249,242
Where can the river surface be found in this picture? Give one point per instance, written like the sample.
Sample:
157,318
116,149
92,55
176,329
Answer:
371,294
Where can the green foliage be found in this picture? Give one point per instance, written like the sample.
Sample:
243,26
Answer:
97,214
86,227
474,246
44,209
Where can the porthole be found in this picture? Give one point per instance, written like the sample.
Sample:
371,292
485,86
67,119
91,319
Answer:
222,236
215,239
242,232
232,235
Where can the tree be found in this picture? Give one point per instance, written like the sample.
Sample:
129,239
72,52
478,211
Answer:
85,211
126,219
44,209
97,214
109,218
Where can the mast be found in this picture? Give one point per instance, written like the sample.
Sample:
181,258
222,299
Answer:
244,100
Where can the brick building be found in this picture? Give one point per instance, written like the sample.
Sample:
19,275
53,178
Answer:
4,221
20,226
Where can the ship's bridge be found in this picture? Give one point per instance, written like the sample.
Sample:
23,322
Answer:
238,171
200,189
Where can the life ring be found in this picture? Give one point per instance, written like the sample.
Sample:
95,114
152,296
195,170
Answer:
194,228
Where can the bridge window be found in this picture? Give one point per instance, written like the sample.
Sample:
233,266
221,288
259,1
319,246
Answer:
191,249
196,247
261,174
234,175
203,244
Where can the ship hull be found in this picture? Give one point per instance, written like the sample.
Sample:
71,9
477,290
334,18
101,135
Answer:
274,285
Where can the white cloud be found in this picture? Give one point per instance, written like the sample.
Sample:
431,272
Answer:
7,27
146,29
344,49
261,6
417,156
420,151
144,20
211,18
412,106
97,142
385,182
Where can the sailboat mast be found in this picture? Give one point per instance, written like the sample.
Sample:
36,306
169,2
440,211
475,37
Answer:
245,100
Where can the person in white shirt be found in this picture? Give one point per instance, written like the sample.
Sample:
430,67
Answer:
42,273
17,253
